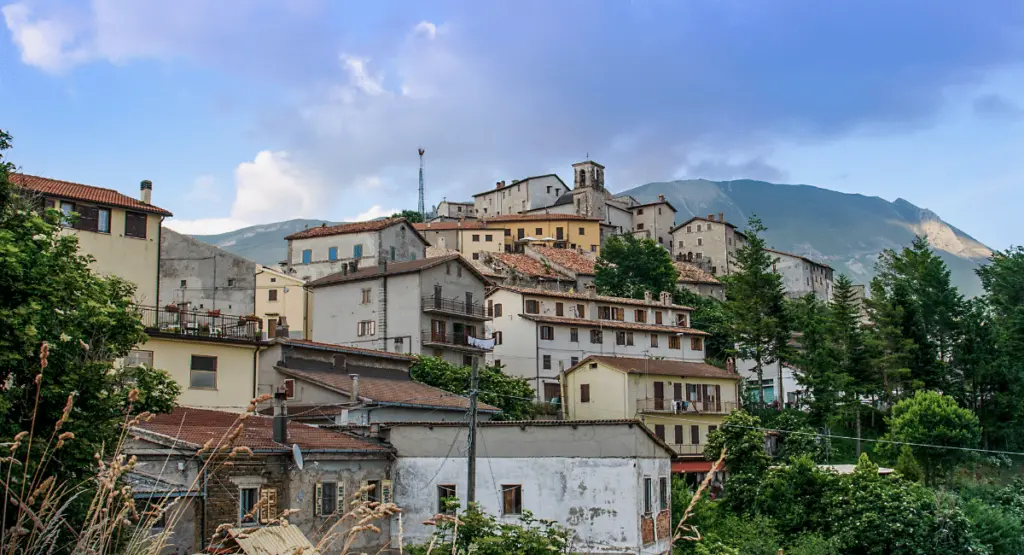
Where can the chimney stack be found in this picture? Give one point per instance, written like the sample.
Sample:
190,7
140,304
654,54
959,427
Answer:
497,185
280,417
355,387
711,217
648,297
666,298
661,198
146,192
730,365
590,289
721,216
282,327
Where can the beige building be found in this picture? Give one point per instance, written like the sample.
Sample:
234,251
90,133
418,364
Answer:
710,243
680,401
280,297
121,233
549,230
519,196
655,220
469,237
448,210
321,251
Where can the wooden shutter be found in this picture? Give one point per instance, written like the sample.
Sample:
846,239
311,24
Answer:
135,225
340,499
364,491
317,499
585,393
695,435
385,491
268,505
677,391
289,388
718,398
89,218
679,434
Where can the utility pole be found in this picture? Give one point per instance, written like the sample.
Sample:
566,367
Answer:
421,207
858,429
471,463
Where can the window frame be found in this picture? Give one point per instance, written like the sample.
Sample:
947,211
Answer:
517,499
535,304
547,333
664,493
131,214
545,362
584,393
332,254
192,371
271,295
242,511
648,495
442,489
597,337
574,335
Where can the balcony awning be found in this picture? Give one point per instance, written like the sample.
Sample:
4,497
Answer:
682,467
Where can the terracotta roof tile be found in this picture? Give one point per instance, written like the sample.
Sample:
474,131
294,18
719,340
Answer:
611,324
527,265
87,193
434,252
194,427
342,229
343,348
662,367
387,391
538,218
568,259
693,274
585,296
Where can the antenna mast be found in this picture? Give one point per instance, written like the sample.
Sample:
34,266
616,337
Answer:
422,208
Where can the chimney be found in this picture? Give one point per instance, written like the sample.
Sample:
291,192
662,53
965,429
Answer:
711,217
730,365
146,191
497,185
661,198
382,266
355,387
590,289
280,417
721,216
666,298
282,327
353,265
647,297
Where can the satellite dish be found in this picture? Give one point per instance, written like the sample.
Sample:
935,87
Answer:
285,289
297,455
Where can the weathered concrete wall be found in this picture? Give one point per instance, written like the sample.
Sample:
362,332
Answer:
205,276
657,220
716,291
455,210
717,245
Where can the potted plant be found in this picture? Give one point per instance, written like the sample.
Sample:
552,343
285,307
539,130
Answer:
213,312
171,308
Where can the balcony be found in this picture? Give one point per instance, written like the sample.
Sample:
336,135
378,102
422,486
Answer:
200,323
452,307
457,341
687,449
671,406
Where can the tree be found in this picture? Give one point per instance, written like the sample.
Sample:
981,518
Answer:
756,306
817,359
630,267
513,395
483,534
796,438
413,216
932,419
50,297
708,315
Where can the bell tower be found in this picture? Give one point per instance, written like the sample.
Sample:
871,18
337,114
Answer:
588,174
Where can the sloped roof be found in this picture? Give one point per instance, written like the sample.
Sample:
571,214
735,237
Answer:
801,257
693,274
334,347
393,269
449,226
568,259
527,265
87,193
538,218
520,182
387,392
733,226
267,540
194,427
661,367
587,297
342,229
434,252
612,324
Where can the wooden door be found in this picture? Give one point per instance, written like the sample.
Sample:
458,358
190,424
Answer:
659,395
437,331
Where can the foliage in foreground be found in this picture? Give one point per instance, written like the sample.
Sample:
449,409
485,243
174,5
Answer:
473,531
513,395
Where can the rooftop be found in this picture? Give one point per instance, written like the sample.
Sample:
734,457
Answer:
715,221
588,296
384,391
333,347
611,324
86,193
342,229
801,257
661,367
538,218
392,269
527,265
448,226
694,274
569,259
659,201
519,182
194,427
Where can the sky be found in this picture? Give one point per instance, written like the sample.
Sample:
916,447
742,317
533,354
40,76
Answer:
245,112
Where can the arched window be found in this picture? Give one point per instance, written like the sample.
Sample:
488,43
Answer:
583,177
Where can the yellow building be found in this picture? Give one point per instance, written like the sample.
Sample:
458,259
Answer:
680,401
280,295
121,233
214,358
469,237
549,230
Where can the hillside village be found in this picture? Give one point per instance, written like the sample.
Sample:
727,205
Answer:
628,393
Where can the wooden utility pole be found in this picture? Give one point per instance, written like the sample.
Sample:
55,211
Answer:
471,451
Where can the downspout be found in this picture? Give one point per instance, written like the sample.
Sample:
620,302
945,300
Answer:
214,280
536,343
384,310
159,244
255,371
254,290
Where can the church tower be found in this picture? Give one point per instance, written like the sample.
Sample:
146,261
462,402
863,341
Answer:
588,174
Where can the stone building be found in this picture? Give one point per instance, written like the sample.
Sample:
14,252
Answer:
655,220
320,251
694,278
472,238
201,276
448,210
710,243
801,275
519,196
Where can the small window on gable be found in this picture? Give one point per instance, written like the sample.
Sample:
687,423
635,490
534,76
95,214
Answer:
289,388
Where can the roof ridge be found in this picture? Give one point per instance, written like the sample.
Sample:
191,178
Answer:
65,182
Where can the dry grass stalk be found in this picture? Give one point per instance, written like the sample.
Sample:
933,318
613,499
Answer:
683,528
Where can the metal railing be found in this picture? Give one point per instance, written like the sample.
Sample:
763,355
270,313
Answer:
453,339
201,323
453,306
674,406
687,448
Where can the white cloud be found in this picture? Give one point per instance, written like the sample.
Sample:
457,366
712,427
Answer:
426,29
204,189
373,213
207,226
360,77
50,44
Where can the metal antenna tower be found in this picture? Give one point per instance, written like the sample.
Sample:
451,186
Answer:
422,208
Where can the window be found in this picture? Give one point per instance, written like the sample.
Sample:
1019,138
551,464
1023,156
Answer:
67,208
329,499
366,296
273,280
547,333
547,362
183,283
663,485
508,232
640,212
203,372
657,317
138,358
574,335
399,344
679,435
583,231
697,343
135,225
497,310
698,228
476,256
512,500
580,311
467,360
584,393
332,253
654,340
604,312
659,431
573,361
289,388
559,309
307,256
476,237
673,342
497,336
619,314
272,294
596,336
640,316
681,320
458,271
521,233
711,429
103,220
689,229
393,251
357,251
248,498
700,241
695,435
593,248
648,495
640,226
366,327
231,282
447,497
549,189
532,307
624,338
488,237
540,232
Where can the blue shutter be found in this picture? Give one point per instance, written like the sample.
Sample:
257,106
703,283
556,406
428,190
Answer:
307,256
332,253
392,253
357,251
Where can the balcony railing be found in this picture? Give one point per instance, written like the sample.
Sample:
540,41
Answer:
455,307
687,449
200,323
456,340
674,406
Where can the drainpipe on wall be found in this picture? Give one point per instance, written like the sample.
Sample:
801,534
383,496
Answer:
159,244
255,371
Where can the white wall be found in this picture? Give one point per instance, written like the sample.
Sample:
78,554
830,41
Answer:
745,368
320,246
544,191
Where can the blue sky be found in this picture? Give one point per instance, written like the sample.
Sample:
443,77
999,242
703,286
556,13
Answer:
251,111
